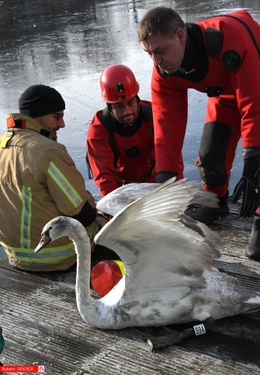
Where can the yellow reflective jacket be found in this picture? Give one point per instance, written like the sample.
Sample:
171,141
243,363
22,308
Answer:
38,181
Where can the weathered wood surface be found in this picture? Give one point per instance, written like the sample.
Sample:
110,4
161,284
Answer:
41,325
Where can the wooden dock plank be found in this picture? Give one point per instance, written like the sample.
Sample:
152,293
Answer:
41,325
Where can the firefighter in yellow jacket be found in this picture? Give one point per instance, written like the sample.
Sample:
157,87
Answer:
39,181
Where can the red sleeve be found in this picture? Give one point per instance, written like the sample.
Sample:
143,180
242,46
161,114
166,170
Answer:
101,156
170,111
246,80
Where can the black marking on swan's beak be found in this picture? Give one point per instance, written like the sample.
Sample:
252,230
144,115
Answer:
45,239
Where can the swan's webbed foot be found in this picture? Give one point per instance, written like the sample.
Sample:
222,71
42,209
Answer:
174,337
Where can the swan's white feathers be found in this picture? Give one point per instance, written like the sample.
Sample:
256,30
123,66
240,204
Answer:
157,247
168,259
118,199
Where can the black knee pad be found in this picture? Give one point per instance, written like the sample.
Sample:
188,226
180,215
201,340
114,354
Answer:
212,154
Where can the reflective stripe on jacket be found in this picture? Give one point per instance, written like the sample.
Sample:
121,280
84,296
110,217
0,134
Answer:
49,258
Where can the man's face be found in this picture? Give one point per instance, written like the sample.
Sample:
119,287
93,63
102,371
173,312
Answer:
52,122
126,112
166,51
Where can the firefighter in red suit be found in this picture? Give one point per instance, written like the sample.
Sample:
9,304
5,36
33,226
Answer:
220,57
120,138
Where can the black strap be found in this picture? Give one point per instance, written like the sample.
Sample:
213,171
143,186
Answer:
249,31
90,173
105,119
247,28
147,112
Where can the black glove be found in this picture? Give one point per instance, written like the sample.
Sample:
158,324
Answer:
164,176
248,186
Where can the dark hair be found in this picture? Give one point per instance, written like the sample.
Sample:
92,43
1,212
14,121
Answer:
159,20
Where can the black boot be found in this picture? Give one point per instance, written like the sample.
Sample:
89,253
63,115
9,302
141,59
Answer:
207,215
253,249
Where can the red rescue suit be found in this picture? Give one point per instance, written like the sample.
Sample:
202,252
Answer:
222,60
135,159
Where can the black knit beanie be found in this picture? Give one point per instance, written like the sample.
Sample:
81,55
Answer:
40,100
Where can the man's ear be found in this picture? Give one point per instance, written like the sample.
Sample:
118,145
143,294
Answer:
181,35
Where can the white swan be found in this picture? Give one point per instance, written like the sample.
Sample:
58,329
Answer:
168,259
121,197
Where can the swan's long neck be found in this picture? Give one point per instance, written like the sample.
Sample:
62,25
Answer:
92,310
85,302
101,313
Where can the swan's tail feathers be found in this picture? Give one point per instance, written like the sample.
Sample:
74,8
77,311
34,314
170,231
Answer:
252,305
180,195
254,301
197,196
205,198
192,192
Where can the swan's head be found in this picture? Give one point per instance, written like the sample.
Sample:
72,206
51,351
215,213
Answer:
60,226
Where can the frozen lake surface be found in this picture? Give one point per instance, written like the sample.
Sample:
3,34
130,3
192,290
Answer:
67,44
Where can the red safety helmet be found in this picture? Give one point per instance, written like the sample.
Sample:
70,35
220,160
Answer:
118,84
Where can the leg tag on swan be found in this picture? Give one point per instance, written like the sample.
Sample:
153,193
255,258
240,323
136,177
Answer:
174,337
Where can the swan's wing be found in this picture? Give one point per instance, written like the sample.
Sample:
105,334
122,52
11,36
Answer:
118,199
161,247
